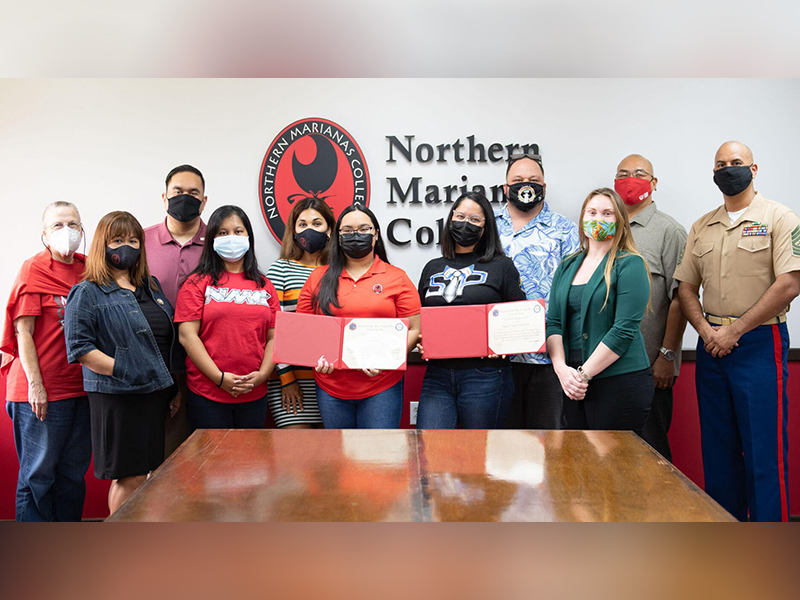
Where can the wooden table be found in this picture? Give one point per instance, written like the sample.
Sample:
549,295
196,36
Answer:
407,475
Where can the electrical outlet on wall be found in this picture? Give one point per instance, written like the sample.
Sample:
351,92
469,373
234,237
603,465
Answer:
413,416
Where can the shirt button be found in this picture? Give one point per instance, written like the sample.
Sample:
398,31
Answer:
725,276
724,297
728,232
726,253
586,336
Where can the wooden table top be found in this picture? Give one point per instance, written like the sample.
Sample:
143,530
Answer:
408,475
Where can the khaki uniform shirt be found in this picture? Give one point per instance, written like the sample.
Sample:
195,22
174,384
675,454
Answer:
661,240
736,263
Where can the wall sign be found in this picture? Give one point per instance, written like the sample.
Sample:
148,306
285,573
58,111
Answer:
311,157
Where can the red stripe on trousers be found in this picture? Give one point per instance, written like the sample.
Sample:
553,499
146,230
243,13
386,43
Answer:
776,338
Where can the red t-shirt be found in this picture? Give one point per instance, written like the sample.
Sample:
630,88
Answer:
61,379
235,318
384,291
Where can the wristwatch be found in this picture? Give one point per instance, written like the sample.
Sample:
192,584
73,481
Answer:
667,354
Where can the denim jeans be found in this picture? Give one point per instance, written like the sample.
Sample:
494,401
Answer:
210,414
54,456
475,398
381,411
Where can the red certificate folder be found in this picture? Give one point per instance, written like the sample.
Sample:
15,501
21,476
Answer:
300,339
461,331
454,331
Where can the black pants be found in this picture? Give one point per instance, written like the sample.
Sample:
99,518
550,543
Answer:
619,402
657,426
538,399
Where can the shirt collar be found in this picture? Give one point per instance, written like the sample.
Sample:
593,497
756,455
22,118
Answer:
755,212
643,216
165,237
543,219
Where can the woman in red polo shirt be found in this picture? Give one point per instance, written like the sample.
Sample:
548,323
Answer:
226,310
360,282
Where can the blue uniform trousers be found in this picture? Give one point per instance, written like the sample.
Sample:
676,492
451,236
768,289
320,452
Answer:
743,415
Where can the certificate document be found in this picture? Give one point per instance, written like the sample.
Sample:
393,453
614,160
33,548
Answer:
516,327
375,344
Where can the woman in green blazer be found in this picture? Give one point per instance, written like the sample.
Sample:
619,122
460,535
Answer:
597,301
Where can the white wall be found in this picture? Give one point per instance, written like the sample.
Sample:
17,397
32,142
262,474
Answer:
107,144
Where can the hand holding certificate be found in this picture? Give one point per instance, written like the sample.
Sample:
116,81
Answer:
483,330
343,343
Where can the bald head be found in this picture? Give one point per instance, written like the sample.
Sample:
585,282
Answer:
635,162
733,153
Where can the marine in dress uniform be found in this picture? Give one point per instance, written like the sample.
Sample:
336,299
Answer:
746,256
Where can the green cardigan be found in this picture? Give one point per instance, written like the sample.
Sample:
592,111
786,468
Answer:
616,325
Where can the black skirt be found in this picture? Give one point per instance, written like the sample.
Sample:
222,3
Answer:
128,432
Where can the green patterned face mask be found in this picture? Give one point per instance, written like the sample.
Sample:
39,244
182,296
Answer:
600,230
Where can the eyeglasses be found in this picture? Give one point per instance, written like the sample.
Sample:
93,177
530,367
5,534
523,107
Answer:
350,231
59,225
638,173
474,219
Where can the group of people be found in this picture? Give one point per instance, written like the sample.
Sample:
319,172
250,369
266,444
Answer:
154,332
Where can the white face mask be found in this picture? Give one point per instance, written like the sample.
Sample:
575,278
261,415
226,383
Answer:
65,241
231,247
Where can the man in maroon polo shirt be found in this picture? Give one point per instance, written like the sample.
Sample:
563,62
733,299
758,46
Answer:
173,251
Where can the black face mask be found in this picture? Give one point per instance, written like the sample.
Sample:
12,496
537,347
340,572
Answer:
184,208
525,196
357,245
311,240
465,233
733,180
122,258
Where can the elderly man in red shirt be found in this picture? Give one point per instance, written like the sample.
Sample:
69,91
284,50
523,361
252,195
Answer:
173,250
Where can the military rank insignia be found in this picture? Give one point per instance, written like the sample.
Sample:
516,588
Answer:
755,229
796,241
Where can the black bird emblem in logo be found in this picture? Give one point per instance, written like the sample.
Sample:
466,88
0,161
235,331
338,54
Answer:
318,176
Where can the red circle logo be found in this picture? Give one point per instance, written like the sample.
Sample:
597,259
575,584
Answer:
311,157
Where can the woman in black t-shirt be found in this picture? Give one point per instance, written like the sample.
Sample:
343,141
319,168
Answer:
475,392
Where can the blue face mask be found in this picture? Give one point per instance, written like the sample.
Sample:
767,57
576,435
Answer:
231,247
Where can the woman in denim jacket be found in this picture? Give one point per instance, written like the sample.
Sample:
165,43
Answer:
118,325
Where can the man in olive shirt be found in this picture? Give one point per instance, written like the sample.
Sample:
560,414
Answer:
660,239
745,255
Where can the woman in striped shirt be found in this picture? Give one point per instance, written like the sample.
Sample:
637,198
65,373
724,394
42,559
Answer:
292,395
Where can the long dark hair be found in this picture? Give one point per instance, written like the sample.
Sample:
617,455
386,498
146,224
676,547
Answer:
327,294
289,248
210,262
489,244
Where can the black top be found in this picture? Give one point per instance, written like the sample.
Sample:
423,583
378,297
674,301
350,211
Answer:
159,322
464,281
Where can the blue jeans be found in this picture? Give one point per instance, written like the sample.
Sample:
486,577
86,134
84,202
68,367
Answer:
475,398
381,411
54,456
210,414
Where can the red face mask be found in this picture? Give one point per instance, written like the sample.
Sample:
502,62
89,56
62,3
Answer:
633,190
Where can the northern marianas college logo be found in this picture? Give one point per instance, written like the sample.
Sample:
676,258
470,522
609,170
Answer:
311,157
